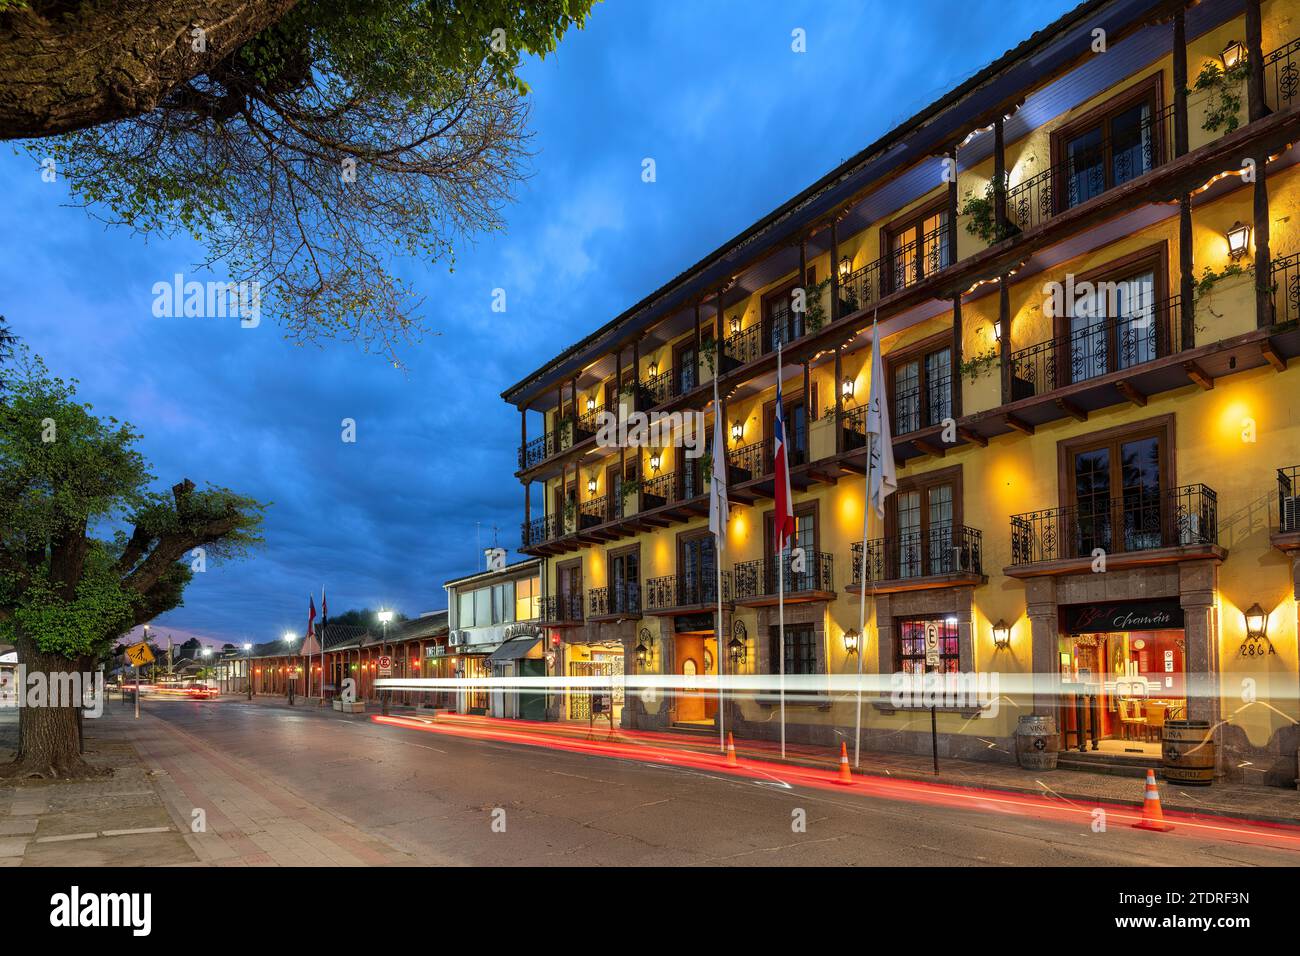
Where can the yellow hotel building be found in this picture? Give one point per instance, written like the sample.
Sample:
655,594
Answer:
1085,266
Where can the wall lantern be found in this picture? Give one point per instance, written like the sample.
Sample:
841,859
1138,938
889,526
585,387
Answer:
846,267
1238,239
847,387
655,459
736,647
591,486
997,331
1232,54
645,647
591,403
737,430
1256,622
851,638
735,324
654,369
1001,634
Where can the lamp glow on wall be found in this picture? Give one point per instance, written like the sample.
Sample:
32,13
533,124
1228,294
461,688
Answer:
852,639
1232,54
1001,634
1238,239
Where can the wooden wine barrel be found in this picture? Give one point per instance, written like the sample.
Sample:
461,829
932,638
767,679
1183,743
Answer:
1037,742
1188,753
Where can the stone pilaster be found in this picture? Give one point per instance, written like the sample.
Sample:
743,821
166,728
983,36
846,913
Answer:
1044,642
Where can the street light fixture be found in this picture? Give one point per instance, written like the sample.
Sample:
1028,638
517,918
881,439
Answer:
248,668
289,637
384,618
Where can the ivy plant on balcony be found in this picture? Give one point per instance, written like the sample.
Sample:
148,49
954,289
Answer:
1223,95
979,365
709,352
981,213
1209,278
815,301
630,487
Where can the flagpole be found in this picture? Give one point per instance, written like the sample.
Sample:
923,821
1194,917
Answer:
862,605
719,461
780,568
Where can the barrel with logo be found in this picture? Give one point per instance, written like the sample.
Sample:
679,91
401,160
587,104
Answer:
1188,753
1037,742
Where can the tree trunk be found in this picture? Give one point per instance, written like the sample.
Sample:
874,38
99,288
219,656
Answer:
49,745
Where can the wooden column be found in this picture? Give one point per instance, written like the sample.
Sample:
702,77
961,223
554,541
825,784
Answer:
636,372
1180,83
1256,106
999,180
839,399
528,512
721,350
808,411
698,344
956,356
523,437
1186,280
1004,343
835,271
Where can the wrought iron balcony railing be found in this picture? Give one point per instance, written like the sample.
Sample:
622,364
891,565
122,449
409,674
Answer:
1286,289
597,511
540,530
1178,517
916,408
900,268
942,549
663,489
1282,76
761,578
746,462
853,426
617,599
656,389
562,608
1143,334
1288,499
1089,172
686,590
537,450
745,345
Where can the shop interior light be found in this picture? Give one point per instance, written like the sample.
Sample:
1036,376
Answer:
1001,634
1238,239
1256,621
1232,54
851,638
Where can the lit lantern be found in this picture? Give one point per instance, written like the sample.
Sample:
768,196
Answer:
851,639
1001,634
591,403
1232,54
737,431
846,267
1238,239
591,486
735,324
1256,621
847,387
997,331
642,655
654,369
655,459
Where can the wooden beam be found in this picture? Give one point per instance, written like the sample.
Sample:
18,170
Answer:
1132,394
1198,375
975,438
1270,353
1071,409
928,447
1018,424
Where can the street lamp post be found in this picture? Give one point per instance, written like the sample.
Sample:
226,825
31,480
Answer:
289,670
248,669
384,618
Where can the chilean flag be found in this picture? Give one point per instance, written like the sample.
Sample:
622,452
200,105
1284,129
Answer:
783,517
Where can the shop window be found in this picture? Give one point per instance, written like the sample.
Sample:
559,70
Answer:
527,593
912,640
800,648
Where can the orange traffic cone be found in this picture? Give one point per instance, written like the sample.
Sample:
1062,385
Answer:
731,751
1153,818
846,775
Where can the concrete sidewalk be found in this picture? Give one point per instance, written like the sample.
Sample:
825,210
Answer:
144,813
1242,801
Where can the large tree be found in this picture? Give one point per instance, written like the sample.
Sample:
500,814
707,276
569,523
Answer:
88,549
305,144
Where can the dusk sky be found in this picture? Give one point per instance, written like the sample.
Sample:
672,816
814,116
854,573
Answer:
736,122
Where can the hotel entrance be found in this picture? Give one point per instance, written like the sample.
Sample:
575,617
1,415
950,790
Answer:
693,658
1123,675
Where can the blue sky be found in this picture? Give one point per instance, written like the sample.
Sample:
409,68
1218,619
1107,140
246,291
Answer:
736,123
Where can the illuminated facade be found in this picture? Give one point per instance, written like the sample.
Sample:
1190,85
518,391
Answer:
1085,264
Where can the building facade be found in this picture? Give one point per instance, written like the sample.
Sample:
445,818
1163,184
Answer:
1084,263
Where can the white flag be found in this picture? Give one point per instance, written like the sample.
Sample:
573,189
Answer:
719,509
884,479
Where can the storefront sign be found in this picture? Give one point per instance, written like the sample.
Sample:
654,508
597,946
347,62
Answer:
692,623
1123,616
514,631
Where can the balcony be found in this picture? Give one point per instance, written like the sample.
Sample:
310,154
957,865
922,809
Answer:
1285,530
561,610
915,408
944,556
539,531
1176,525
1105,164
902,268
684,594
614,603
1282,77
1286,289
758,582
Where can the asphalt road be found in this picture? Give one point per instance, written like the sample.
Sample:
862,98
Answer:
438,797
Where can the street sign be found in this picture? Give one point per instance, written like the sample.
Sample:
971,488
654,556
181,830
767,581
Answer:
385,666
139,654
932,644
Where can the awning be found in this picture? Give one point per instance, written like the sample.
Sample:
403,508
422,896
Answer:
513,650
